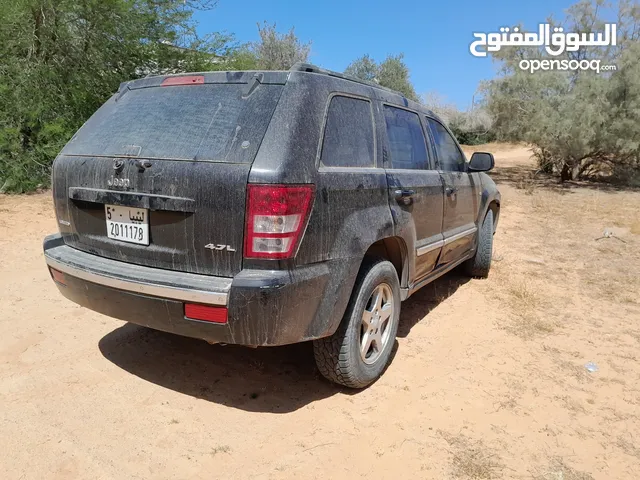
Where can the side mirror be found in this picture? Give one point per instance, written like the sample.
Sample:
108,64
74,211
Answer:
481,162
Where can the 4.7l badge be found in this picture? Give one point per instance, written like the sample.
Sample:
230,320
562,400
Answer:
213,246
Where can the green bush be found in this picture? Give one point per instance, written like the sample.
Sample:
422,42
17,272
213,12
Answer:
392,73
579,123
473,138
471,127
59,61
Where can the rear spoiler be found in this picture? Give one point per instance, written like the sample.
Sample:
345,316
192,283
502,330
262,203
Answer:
265,78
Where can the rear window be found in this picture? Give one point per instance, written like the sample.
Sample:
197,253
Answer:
210,122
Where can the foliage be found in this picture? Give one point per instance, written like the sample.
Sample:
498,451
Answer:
392,73
472,127
278,51
364,68
579,123
61,59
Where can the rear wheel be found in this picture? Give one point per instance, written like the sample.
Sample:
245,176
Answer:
358,352
480,264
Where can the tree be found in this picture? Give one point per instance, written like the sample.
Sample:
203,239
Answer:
242,58
578,122
278,51
364,68
61,59
471,127
392,73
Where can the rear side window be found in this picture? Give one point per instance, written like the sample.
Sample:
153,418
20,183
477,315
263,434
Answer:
406,139
210,122
348,134
450,157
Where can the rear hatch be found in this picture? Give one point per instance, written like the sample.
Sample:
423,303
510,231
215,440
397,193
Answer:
165,163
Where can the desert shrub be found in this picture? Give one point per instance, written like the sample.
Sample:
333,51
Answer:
278,51
580,123
471,127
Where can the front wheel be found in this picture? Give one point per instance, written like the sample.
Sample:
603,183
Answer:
480,264
358,352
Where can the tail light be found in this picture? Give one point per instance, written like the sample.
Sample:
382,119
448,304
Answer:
183,80
276,218
58,276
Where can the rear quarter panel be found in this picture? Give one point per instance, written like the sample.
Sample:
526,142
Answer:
350,211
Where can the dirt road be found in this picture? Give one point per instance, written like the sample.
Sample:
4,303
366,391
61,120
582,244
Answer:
488,379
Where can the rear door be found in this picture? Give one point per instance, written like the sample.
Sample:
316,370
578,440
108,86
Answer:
415,189
462,194
171,158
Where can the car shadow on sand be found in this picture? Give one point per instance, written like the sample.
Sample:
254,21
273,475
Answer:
416,308
276,379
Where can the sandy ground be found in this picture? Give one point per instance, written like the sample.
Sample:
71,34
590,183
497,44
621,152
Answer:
488,379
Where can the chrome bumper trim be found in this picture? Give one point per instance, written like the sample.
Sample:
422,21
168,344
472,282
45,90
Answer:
182,293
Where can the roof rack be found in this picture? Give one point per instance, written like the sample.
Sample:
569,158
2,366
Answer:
307,67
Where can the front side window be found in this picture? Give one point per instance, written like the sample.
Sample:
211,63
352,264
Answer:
348,134
406,139
450,157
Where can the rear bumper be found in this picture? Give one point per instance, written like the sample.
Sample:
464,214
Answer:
265,307
188,287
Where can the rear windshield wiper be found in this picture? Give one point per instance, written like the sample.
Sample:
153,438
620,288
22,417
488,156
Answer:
254,82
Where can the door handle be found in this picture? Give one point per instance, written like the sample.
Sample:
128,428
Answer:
404,196
450,191
404,193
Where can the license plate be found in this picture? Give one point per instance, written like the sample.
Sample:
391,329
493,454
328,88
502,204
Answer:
127,224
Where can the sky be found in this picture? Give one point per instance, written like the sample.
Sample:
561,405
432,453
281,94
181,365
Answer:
433,35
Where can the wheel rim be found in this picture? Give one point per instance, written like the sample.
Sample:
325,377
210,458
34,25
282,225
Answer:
376,322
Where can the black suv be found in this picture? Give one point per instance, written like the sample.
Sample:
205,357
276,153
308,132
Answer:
267,208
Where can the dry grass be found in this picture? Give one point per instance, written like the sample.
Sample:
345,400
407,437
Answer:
471,459
571,370
525,301
618,288
559,260
546,201
220,449
526,183
528,327
628,446
522,296
498,363
559,470
571,404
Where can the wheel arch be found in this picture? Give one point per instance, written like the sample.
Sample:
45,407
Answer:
494,206
393,249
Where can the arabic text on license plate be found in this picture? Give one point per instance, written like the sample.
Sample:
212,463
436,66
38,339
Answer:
127,224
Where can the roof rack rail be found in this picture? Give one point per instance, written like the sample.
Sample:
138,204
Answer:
307,67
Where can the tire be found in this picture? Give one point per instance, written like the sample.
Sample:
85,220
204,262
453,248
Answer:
479,265
340,357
